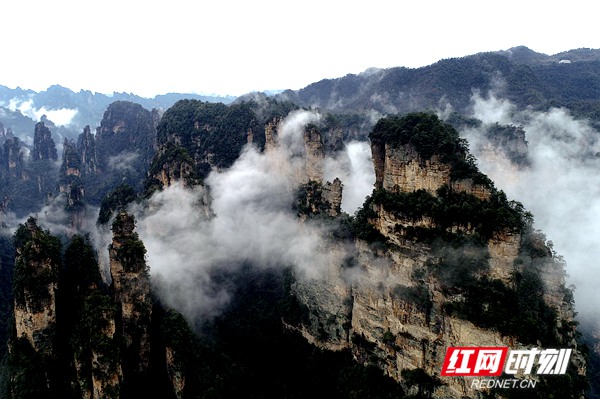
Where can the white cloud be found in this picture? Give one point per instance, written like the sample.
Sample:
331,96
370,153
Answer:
60,117
354,167
124,161
253,223
561,187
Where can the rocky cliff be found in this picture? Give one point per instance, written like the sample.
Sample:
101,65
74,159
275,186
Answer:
43,144
441,259
28,176
36,282
436,257
193,137
75,336
86,147
71,184
13,165
131,289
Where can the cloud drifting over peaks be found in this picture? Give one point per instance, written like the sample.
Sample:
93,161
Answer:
354,167
561,187
60,117
251,221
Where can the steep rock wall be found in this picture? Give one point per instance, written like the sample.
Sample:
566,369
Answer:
36,271
407,299
131,287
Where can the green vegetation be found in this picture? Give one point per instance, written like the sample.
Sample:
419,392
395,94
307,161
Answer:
457,264
478,219
132,254
362,228
81,273
430,136
517,310
481,218
212,134
118,199
130,250
124,147
91,336
424,131
37,265
509,139
25,184
28,379
173,159
309,200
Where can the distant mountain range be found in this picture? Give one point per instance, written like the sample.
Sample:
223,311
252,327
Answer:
20,109
523,76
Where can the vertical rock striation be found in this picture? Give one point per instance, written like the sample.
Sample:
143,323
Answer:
474,274
44,146
131,290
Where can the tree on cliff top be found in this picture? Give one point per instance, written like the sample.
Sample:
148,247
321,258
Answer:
430,136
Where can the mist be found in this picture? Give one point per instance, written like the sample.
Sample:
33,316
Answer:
354,167
60,117
250,221
561,187
124,161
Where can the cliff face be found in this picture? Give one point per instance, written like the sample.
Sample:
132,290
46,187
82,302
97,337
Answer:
431,280
36,275
27,182
120,152
401,168
314,153
86,147
131,287
271,134
13,166
125,127
77,337
43,145
195,137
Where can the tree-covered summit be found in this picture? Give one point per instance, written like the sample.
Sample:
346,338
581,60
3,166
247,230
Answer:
430,136
424,131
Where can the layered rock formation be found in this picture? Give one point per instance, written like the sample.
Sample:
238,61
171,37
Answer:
28,182
131,289
314,153
36,282
77,337
13,165
43,144
422,281
86,147
271,134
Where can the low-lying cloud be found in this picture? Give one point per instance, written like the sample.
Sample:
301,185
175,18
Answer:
561,187
60,117
250,221
124,161
354,167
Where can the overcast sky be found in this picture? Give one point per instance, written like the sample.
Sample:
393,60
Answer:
233,46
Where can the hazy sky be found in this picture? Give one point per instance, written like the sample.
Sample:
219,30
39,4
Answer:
233,46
